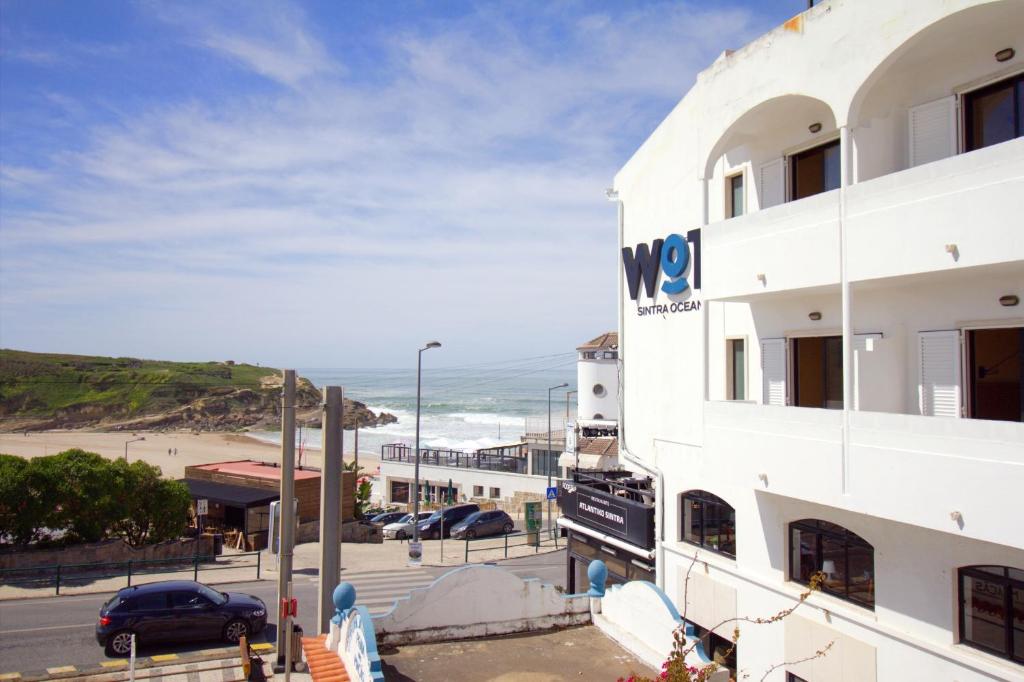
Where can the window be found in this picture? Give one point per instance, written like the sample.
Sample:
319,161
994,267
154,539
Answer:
994,113
495,493
588,355
400,491
790,677
611,354
845,558
818,372
735,199
992,610
815,171
188,600
598,416
709,521
478,491
995,361
545,462
599,390
719,649
150,602
736,369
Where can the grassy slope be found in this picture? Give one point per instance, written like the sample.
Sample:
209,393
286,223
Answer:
43,383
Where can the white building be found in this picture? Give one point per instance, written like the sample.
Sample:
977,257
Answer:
591,441
843,197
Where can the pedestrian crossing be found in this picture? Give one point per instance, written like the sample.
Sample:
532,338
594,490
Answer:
378,590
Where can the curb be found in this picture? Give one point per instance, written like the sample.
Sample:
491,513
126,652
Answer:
69,672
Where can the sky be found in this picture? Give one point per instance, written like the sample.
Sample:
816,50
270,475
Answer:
329,184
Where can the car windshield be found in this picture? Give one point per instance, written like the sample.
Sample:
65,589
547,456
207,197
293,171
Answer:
216,597
472,517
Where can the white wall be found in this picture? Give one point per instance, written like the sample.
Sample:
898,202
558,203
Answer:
590,374
462,479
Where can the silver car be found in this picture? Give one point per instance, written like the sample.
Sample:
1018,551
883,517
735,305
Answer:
402,528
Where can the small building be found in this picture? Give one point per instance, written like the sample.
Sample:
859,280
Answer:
239,493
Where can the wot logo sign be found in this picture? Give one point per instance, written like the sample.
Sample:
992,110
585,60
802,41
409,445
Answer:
671,255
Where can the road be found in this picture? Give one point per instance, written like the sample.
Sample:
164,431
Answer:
36,634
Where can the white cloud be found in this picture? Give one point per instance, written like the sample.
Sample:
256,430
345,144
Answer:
460,188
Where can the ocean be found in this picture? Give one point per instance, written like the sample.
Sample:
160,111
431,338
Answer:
462,408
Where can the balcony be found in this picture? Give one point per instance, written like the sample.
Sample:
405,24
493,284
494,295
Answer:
505,458
790,244
906,468
897,225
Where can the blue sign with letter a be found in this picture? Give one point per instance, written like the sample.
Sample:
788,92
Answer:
552,493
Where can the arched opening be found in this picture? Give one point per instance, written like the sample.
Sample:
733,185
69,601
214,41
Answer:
846,559
782,149
708,521
905,113
992,610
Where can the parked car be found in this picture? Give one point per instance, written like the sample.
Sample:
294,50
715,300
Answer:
387,517
402,528
431,528
176,610
483,523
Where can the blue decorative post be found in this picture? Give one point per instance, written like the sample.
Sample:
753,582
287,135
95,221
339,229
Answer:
344,598
597,574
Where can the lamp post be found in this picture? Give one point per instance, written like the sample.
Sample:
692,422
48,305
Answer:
133,440
416,484
549,445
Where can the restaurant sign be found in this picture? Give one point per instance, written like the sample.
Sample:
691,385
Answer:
616,516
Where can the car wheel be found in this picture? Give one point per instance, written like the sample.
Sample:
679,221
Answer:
470,534
400,535
119,643
507,528
235,630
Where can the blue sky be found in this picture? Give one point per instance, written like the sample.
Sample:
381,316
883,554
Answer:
328,184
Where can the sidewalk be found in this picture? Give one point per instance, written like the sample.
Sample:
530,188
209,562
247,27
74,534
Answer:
391,555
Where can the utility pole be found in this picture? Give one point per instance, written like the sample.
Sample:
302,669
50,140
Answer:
355,466
287,520
330,506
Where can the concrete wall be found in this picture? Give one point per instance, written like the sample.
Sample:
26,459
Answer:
591,374
108,550
463,480
478,601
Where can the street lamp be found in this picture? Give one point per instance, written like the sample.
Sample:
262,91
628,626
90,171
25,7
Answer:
549,446
133,440
416,488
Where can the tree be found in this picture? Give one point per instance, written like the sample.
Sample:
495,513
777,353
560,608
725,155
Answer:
17,520
77,484
150,509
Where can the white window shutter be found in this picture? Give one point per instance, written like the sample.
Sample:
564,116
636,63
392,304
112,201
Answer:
932,131
773,372
772,176
939,390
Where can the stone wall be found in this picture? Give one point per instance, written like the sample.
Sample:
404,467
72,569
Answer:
106,551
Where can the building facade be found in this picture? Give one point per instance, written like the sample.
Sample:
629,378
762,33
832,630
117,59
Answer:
822,342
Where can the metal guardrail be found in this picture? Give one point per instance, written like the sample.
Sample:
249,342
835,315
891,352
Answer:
57,574
538,543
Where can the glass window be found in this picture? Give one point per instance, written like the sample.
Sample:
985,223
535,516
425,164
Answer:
399,491
815,170
846,559
736,370
817,363
736,197
709,521
150,602
495,492
992,610
994,113
188,600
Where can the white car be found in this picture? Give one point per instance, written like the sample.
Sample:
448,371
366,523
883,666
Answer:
402,528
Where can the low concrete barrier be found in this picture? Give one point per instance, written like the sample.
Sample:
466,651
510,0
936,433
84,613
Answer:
479,601
107,551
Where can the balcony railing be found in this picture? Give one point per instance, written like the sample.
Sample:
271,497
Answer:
488,459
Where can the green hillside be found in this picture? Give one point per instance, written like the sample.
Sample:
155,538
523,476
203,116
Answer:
47,391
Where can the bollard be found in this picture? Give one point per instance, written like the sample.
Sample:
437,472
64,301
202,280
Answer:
260,554
195,568
466,561
58,579
129,573
506,545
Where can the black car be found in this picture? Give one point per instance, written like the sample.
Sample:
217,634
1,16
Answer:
176,610
482,523
387,517
431,528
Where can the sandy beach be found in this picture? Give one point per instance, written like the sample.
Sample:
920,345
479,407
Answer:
191,448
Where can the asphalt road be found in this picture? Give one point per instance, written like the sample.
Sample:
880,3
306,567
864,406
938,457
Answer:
36,634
